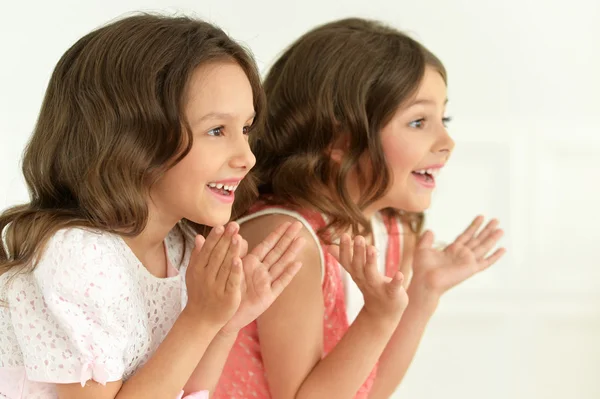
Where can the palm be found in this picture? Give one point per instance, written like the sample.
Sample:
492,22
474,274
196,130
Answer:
258,292
268,269
466,256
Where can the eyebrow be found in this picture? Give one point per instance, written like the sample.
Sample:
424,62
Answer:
221,115
424,101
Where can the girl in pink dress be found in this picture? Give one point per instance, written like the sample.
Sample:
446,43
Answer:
355,128
107,289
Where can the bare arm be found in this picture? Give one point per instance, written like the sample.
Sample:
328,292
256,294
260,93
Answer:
268,269
403,345
401,349
182,349
213,280
436,271
291,333
207,373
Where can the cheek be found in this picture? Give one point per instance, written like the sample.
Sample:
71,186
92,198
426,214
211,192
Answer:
399,158
187,174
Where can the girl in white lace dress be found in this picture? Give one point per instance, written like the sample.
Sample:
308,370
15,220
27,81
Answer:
106,289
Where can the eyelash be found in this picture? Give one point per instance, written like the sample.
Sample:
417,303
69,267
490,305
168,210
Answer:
445,121
216,132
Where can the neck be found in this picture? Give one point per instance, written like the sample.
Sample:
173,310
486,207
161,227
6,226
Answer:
152,238
369,211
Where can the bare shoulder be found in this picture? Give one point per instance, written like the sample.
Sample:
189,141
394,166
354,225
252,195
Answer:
257,229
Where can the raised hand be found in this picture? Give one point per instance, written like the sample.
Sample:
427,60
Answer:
383,296
268,269
437,271
214,276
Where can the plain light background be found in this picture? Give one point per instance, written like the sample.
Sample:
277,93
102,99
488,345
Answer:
524,87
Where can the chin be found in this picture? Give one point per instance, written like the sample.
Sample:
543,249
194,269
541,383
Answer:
415,205
213,219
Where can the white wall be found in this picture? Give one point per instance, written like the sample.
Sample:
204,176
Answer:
524,91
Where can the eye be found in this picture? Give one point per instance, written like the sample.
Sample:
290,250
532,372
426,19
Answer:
218,131
446,120
417,124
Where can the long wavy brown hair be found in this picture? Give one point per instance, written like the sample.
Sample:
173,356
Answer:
110,125
347,77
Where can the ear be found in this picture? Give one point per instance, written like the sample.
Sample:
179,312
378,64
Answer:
336,155
338,148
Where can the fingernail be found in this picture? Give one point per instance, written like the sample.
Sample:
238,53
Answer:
219,230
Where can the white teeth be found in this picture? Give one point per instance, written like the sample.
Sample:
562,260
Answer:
219,186
431,172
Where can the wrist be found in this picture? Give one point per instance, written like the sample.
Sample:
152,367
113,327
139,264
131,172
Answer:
226,333
422,299
381,320
198,323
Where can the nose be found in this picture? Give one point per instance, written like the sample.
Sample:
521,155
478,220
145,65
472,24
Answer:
445,143
243,157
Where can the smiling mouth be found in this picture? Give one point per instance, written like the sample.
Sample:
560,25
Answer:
223,189
428,175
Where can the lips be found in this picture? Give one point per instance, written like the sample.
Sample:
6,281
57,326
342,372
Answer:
223,188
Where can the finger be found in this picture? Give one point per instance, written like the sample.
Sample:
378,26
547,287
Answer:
482,249
287,258
262,249
285,278
243,248
282,245
234,280
233,252
470,231
394,286
426,240
219,252
493,258
345,258
359,258
198,243
209,243
371,270
483,235
194,258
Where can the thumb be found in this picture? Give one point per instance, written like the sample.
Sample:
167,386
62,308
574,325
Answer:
198,244
426,240
243,248
396,283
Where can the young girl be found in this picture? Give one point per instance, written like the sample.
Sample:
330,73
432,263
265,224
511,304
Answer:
355,127
107,290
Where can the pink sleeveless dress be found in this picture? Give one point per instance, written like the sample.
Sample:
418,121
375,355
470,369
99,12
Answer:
244,372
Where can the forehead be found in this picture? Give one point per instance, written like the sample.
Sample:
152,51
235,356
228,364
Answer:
219,88
432,88
212,81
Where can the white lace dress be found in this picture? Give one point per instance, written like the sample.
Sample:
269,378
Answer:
90,310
